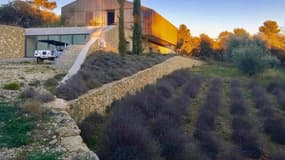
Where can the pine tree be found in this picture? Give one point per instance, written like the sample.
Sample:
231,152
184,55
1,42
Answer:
122,40
137,30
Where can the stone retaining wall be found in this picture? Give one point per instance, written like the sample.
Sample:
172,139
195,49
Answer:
12,42
97,100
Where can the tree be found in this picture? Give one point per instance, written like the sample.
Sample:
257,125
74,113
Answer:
122,39
26,14
19,13
137,30
223,39
253,58
44,4
270,33
269,27
184,43
206,46
44,9
241,32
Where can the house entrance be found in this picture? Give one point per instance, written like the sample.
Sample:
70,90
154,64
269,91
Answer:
110,17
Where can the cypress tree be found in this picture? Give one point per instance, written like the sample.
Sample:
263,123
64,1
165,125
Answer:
137,30
122,40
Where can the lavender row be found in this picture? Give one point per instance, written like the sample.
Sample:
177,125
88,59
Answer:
243,134
205,126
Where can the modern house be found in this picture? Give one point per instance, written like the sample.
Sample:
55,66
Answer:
159,34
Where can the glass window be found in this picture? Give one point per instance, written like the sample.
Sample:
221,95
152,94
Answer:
79,39
56,38
66,39
31,43
40,45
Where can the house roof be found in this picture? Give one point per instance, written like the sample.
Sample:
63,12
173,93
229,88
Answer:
60,31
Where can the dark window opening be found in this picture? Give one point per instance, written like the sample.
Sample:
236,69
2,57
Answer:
110,17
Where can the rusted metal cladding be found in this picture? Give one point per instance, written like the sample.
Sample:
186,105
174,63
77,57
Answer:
81,12
155,26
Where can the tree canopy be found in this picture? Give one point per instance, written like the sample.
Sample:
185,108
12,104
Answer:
269,27
28,13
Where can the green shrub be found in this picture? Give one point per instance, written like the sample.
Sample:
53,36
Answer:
272,61
242,41
252,59
32,94
249,59
12,86
233,43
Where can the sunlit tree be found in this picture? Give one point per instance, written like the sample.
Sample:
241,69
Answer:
270,32
241,32
269,27
19,13
44,9
206,46
44,4
184,40
223,39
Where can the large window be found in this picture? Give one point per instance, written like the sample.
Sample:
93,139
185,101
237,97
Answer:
67,39
32,42
41,45
79,39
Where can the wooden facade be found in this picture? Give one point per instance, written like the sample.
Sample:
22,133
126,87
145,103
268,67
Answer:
158,32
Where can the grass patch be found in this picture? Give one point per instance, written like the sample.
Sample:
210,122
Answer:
229,71
12,86
39,155
15,126
218,70
271,74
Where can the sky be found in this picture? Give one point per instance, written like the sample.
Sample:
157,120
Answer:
214,16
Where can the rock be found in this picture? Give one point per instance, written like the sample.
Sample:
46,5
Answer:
58,104
73,144
67,132
53,142
85,155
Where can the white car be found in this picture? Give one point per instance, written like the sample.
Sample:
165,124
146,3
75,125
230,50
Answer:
47,54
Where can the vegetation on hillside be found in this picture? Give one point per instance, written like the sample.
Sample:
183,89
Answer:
101,68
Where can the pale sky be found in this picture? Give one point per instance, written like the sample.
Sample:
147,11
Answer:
214,16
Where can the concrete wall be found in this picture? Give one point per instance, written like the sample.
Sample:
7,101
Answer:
98,100
111,39
12,42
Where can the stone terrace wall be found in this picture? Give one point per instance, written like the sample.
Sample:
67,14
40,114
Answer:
12,42
97,100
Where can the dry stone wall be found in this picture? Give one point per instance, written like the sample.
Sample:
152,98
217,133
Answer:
98,100
12,42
